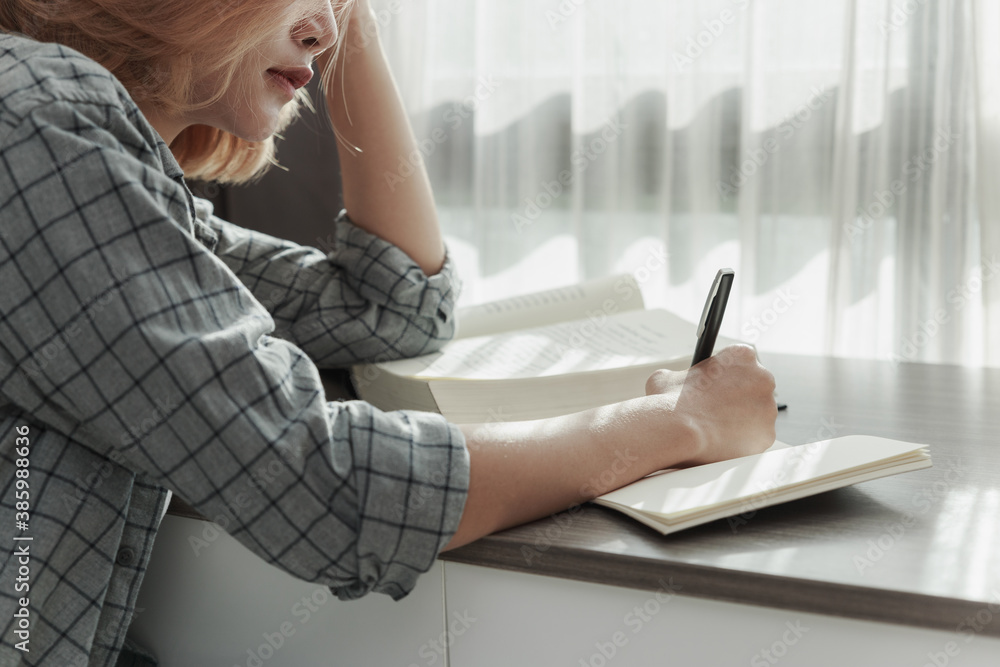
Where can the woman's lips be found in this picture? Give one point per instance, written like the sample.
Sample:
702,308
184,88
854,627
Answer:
290,79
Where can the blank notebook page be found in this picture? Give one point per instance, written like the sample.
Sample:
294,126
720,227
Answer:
682,491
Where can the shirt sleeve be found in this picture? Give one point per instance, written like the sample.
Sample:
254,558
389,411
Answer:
121,330
358,299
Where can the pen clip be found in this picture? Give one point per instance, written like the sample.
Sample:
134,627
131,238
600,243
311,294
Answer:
709,301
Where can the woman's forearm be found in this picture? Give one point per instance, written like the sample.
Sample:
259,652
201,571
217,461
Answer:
374,137
720,409
522,471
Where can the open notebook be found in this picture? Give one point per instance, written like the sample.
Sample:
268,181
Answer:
673,500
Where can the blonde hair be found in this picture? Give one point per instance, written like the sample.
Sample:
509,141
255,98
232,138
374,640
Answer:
151,46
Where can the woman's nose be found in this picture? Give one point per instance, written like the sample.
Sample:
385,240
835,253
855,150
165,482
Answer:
318,31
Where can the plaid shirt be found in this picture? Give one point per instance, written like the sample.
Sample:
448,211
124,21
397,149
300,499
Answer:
147,346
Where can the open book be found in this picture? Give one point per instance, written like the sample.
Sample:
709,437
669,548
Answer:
538,355
673,500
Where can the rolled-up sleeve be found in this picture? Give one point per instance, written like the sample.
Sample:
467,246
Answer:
122,330
357,298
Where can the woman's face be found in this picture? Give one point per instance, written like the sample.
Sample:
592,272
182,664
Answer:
267,79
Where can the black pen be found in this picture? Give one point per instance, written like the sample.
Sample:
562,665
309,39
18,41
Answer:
711,316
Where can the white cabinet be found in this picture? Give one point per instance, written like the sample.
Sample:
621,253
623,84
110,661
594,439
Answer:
527,620
224,607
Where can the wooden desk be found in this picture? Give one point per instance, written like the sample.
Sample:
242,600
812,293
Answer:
902,570
919,549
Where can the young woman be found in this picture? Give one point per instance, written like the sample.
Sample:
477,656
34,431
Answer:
148,347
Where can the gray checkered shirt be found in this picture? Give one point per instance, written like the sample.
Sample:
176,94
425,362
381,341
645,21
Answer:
147,346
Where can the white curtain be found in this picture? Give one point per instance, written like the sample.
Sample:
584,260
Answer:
840,156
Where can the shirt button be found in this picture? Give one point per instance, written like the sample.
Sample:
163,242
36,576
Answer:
125,556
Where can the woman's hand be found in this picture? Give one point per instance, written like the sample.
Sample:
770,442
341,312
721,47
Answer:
728,400
720,409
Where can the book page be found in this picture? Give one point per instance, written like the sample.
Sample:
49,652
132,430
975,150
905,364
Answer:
626,339
677,493
613,294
